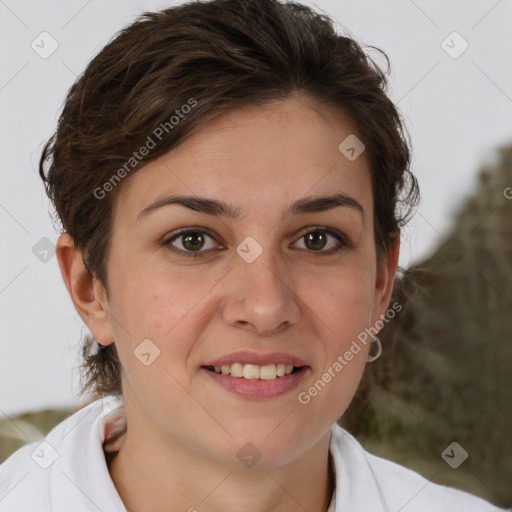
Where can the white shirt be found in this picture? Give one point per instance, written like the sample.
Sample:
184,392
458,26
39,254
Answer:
67,472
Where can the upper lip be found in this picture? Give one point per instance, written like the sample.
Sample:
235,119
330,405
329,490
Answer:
256,358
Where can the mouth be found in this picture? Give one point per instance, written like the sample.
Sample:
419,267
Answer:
257,382
254,371
255,375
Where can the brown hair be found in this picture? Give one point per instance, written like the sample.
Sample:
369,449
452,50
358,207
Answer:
218,56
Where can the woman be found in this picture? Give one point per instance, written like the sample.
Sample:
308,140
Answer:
229,176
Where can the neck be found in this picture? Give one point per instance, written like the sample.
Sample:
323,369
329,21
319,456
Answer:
153,473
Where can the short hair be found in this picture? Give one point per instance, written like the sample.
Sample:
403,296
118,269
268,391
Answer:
213,56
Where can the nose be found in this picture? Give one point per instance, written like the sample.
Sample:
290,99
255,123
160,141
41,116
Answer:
260,296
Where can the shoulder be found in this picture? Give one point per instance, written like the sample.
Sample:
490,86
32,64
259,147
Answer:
384,485
30,476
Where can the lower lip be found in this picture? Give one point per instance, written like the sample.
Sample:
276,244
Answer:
257,388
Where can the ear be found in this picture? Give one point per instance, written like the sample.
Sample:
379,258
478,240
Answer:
86,292
385,277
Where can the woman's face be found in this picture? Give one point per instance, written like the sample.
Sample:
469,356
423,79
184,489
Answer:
256,280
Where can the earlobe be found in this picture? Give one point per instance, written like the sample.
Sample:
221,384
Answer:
85,291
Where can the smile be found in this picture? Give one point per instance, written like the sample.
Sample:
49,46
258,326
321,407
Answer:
253,382
253,371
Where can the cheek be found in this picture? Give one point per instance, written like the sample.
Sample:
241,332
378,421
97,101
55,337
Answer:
342,305
341,311
160,309
155,305
343,299
162,319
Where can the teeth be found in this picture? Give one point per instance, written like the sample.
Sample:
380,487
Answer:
253,371
268,372
237,370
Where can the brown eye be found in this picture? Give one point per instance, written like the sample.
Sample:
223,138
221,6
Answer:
315,240
193,241
318,239
190,242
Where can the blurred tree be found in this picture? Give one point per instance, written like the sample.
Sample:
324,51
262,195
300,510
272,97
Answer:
444,374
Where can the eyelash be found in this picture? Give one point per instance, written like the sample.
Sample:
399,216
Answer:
344,242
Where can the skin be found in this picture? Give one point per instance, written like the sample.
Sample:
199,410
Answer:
184,432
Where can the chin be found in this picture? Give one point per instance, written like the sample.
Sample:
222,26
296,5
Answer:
261,447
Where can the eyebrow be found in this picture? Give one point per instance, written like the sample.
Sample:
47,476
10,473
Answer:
302,206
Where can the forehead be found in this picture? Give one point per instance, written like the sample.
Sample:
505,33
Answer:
257,157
